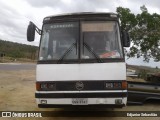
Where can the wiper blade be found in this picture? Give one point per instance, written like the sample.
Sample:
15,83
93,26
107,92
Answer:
96,56
68,50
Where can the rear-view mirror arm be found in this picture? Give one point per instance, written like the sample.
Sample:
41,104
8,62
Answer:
39,31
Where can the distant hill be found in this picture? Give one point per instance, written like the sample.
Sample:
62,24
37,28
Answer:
143,68
17,50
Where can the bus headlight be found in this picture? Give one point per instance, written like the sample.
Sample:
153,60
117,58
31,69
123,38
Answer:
109,85
43,86
113,85
52,86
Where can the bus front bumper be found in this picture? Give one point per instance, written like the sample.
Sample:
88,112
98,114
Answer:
80,106
85,99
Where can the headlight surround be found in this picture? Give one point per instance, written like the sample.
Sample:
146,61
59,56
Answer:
116,85
44,86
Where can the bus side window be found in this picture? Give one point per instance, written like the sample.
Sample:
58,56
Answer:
45,43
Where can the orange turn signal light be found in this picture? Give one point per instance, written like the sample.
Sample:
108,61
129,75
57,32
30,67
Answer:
124,84
37,86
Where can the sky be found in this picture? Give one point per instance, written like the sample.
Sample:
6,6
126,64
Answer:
16,14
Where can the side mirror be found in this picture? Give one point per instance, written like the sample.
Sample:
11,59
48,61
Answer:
125,39
31,32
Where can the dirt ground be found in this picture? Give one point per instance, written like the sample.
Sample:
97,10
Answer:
17,94
135,79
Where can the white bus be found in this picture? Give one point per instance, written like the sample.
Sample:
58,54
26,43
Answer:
81,61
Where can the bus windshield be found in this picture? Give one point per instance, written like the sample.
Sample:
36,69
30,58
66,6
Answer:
59,40
101,39
95,39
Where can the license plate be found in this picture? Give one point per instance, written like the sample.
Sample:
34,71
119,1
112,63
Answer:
79,101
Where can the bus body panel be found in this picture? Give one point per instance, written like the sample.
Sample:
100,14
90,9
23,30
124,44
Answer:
81,72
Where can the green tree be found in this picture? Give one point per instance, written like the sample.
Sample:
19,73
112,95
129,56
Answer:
144,30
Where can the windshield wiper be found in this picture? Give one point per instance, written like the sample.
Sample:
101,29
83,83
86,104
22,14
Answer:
89,49
68,50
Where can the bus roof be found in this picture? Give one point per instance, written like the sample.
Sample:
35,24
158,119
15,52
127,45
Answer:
82,15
